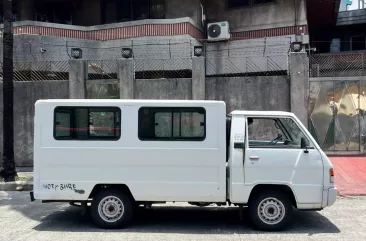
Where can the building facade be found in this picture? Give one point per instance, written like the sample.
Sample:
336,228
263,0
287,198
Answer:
102,24
159,49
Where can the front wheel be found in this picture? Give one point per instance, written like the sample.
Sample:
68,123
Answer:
111,208
270,210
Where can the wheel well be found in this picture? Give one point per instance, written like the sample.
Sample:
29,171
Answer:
283,188
122,187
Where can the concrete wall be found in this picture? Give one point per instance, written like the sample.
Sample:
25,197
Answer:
247,93
164,47
281,13
25,95
250,93
27,47
180,89
251,55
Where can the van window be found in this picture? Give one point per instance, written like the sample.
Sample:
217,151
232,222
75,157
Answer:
87,123
274,133
165,123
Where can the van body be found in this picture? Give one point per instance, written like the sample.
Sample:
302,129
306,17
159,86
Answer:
119,154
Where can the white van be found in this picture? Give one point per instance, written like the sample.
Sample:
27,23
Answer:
118,154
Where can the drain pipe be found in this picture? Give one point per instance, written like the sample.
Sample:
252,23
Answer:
204,26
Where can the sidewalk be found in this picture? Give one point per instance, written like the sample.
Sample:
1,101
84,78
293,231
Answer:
350,175
24,182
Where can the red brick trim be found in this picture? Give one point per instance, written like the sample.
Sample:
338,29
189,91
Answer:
273,32
115,33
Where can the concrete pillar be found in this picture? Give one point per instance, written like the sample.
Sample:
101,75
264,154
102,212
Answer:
26,10
198,78
126,80
299,85
77,77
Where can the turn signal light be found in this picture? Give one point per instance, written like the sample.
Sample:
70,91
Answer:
331,174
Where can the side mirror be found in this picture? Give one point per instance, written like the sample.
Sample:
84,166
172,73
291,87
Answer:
304,145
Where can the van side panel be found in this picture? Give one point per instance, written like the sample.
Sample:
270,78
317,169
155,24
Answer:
153,170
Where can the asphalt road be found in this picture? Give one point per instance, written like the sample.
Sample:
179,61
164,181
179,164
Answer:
22,220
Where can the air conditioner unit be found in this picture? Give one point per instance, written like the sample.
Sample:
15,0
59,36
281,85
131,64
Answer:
218,31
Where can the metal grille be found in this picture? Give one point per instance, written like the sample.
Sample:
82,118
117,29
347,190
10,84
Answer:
163,68
40,70
337,114
337,65
102,69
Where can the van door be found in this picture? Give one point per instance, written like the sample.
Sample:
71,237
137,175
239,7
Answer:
274,155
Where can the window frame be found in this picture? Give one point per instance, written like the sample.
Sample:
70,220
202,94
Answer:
247,146
114,109
173,110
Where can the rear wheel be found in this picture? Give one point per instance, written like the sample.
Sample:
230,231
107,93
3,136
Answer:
111,208
270,210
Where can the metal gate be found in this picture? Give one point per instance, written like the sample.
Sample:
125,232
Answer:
337,114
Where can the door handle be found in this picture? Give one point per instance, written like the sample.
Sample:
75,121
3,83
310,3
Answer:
254,158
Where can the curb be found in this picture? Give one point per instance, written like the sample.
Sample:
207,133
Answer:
16,186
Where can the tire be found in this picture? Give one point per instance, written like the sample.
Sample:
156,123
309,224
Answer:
111,209
270,210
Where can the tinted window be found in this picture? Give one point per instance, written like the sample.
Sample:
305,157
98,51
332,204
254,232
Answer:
171,123
84,123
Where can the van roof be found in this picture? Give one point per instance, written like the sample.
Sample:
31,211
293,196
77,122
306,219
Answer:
127,101
261,113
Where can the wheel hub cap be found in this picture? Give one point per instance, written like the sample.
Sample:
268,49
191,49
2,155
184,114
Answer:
271,211
110,209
